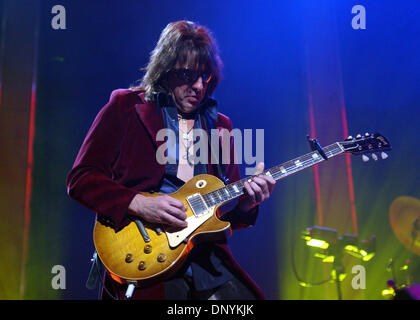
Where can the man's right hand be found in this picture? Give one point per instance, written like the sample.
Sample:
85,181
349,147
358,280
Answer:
160,209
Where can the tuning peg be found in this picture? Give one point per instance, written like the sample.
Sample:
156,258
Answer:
365,158
358,136
374,157
384,155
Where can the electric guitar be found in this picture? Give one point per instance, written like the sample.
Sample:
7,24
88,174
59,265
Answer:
143,252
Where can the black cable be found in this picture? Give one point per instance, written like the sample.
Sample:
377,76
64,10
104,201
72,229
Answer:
306,283
102,283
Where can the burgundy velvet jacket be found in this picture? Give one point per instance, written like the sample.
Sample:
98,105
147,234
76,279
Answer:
118,159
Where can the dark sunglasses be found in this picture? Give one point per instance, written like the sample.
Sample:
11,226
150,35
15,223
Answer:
190,76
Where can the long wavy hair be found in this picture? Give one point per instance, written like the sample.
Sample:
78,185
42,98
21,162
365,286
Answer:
189,44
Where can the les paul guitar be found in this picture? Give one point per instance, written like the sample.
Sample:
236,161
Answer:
142,252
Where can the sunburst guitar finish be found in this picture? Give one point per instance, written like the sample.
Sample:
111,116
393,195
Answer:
129,258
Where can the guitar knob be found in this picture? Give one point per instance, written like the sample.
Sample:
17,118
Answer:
129,258
147,248
142,265
374,157
365,158
384,155
358,136
367,134
161,257
349,138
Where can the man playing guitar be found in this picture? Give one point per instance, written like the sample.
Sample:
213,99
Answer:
118,160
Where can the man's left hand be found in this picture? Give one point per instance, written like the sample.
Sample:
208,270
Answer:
258,190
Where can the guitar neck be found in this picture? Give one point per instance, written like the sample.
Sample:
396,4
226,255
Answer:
235,189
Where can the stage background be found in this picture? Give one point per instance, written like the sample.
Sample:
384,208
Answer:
290,67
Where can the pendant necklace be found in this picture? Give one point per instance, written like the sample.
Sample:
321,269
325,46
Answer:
186,136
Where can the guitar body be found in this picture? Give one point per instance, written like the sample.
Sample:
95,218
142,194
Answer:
129,258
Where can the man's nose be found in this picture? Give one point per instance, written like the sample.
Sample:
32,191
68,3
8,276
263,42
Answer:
198,84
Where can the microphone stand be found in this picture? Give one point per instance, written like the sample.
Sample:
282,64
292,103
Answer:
339,268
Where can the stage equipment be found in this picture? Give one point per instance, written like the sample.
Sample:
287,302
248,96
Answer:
408,293
404,215
320,237
364,249
331,248
402,293
325,238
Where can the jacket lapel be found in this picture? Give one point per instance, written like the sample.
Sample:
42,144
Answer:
151,117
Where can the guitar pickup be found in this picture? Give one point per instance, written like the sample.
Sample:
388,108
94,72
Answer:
197,204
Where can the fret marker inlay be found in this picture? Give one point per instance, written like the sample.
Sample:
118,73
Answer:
235,189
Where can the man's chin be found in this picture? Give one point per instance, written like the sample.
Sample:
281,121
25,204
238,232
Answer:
189,107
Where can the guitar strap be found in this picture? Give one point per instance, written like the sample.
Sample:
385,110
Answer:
95,273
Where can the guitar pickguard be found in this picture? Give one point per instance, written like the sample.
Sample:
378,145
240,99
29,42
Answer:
177,237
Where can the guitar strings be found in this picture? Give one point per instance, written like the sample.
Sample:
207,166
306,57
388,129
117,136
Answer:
276,175
218,196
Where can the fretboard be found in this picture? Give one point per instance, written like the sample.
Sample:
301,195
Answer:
236,189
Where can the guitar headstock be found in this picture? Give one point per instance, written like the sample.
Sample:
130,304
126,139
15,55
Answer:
368,143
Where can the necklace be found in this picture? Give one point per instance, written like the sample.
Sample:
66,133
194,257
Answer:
186,136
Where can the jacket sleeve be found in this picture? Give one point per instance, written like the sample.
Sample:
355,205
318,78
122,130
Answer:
90,180
237,218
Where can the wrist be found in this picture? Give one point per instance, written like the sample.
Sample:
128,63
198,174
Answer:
135,204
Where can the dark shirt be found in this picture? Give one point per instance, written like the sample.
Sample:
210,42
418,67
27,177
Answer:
203,265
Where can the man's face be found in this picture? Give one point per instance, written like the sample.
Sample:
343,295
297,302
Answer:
187,95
